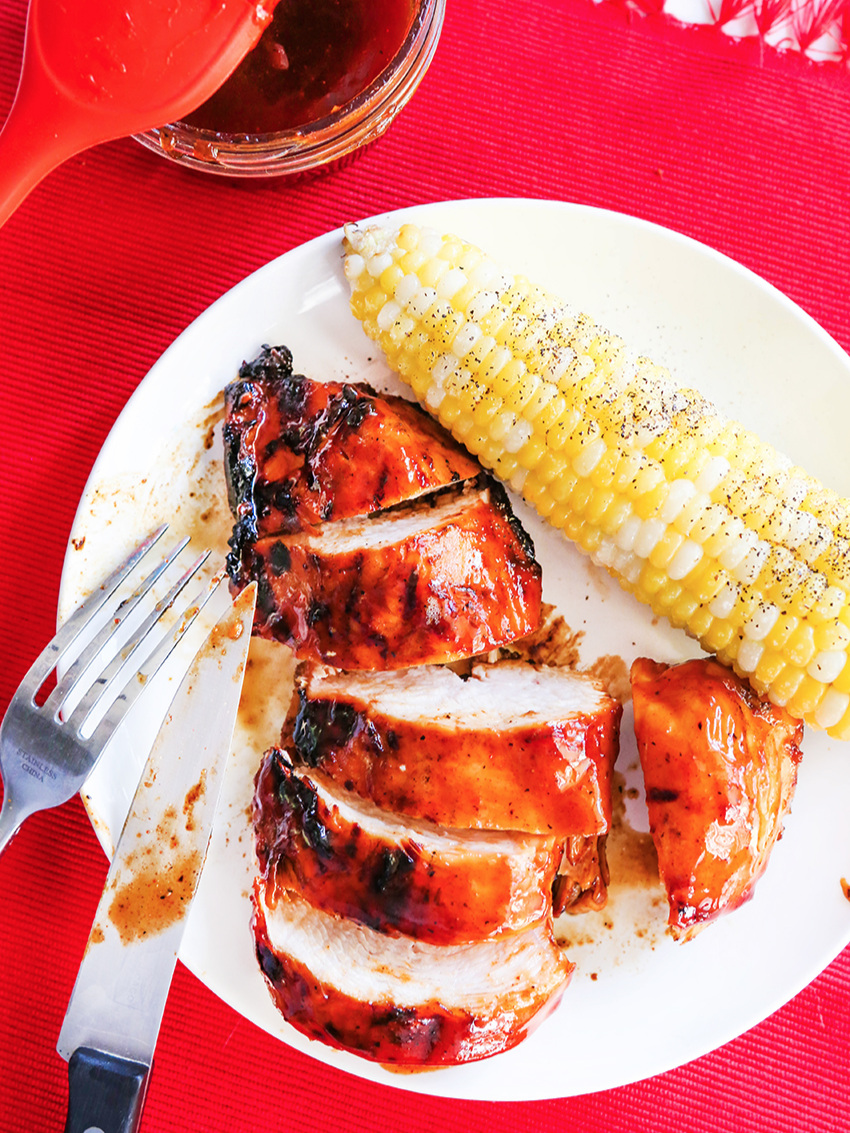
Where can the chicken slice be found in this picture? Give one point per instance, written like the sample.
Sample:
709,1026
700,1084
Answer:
299,452
720,767
393,874
402,1001
430,581
509,747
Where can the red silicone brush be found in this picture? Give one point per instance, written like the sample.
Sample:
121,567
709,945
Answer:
94,70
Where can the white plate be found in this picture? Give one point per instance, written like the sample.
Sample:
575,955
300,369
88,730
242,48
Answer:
638,1004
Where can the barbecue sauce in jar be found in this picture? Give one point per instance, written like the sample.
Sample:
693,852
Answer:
314,57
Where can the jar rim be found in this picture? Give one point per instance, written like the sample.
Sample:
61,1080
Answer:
316,143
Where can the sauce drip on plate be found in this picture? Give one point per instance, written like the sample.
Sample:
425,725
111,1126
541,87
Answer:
314,57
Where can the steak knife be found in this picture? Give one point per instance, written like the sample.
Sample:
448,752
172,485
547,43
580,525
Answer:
113,1018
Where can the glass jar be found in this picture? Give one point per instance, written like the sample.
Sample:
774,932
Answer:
300,149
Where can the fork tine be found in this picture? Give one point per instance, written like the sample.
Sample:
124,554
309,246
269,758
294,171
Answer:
45,663
103,680
54,702
131,690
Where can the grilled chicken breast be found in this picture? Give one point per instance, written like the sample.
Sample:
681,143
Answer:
510,747
299,452
402,1001
430,581
394,874
720,767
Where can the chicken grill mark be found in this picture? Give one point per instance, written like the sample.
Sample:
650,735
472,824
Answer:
456,581
462,776
292,446
396,876
404,1002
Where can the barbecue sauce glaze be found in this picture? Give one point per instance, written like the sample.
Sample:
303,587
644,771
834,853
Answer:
314,57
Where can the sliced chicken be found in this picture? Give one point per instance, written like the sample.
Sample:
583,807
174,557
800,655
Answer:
394,874
441,578
299,452
720,767
401,1001
509,747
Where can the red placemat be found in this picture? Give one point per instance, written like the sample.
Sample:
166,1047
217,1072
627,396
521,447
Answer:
735,144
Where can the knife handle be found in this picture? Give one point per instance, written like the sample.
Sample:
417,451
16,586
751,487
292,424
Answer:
105,1093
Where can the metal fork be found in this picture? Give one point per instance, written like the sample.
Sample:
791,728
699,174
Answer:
44,757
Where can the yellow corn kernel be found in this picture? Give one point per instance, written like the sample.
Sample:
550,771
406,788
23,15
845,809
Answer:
615,515
560,431
647,484
706,581
408,237
842,681
412,375
665,548
534,491
700,621
448,326
487,409
800,646
477,440
598,507
451,250
413,261
683,610
463,426
563,486
831,606
648,503
390,278
652,580
546,415
491,454
544,396
450,410
806,698
785,685
769,667
544,503
841,730
462,298
549,467
833,637
589,539
432,271
605,471
581,497
508,379
718,636
571,522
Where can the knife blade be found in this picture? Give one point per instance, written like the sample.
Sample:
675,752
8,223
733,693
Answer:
113,1018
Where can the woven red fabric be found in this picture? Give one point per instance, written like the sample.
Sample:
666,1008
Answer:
738,146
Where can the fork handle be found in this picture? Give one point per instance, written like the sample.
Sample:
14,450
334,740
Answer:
106,1093
11,818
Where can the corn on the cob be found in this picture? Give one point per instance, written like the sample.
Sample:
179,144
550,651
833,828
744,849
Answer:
690,511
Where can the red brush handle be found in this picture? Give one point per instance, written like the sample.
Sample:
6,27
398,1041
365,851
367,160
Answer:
39,134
